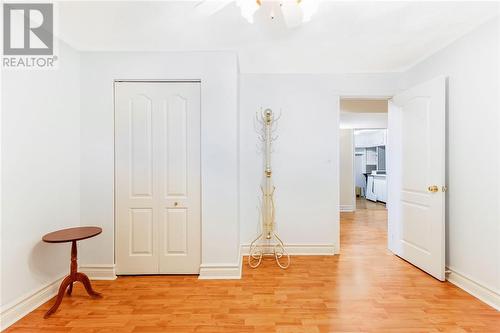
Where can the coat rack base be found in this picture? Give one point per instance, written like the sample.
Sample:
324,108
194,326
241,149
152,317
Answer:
268,246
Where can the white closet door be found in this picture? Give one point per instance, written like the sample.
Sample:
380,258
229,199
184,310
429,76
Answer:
179,180
157,177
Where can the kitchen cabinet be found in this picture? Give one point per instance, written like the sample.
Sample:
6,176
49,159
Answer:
381,158
370,189
370,138
376,188
371,156
380,187
360,154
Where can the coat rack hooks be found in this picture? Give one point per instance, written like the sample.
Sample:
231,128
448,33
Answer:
268,243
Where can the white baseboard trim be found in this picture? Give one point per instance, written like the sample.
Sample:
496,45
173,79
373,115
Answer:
477,290
301,249
220,272
98,272
18,309
346,208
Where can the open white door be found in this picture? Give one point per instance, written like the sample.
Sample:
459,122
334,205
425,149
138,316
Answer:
416,176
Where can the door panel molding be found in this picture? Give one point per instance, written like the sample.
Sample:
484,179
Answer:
416,153
157,177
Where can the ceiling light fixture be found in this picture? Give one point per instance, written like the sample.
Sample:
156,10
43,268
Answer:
294,12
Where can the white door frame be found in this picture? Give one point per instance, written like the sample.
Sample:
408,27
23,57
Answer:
114,154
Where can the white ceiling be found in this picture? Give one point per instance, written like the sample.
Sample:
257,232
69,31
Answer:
342,37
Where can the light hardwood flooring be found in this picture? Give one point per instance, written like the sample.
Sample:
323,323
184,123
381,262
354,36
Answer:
365,289
362,203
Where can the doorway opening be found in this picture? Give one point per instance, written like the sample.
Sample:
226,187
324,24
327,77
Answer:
363,154
415,173
363,176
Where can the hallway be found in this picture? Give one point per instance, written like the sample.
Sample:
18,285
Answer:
365,289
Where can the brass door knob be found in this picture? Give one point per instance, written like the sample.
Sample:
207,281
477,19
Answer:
176,204
433,188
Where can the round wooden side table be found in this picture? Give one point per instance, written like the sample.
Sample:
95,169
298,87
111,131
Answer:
72,235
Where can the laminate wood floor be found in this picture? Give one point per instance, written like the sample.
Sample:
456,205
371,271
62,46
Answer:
365,289
362,203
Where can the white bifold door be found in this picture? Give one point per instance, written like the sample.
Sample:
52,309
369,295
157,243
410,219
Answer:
157,177
416,176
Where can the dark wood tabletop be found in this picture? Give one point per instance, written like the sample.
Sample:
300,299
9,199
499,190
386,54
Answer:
71,234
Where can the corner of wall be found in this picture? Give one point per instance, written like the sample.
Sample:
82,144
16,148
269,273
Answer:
24,305
346,208
221,271
483,293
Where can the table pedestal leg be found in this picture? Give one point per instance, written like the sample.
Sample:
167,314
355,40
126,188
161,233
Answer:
68,281
86,283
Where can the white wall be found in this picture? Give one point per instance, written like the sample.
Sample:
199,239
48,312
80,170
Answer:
305,161
363,120
40,174
370,137
219,160
473,228
346,156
